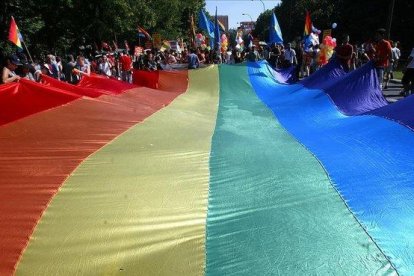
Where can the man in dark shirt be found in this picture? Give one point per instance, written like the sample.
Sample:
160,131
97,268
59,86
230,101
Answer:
68,69
299,57
274,55
252,56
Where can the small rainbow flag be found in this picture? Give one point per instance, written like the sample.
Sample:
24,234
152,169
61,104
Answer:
308,24
144,32
14,34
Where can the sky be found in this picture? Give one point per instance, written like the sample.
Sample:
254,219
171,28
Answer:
235,9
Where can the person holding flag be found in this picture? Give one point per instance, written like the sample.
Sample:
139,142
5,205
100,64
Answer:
8,74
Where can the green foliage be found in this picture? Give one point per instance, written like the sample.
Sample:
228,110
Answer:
59,26
263,25
24,12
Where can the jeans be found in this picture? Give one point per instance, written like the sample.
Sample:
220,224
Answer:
127,76
380,74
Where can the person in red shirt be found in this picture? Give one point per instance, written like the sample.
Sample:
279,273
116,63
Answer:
126,67
383,54
344,53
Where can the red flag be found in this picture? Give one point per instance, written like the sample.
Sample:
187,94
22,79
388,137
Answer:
14,34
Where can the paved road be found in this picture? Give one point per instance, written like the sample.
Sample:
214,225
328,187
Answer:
392,94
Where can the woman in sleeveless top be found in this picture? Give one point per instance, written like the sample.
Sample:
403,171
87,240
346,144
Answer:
8,74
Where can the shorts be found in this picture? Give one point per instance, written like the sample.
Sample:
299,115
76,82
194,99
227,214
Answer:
390,68
126,76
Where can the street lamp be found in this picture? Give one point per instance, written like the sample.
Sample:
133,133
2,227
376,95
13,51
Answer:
264,7
248,16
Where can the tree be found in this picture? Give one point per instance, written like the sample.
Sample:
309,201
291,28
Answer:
28,20
59,26
262,27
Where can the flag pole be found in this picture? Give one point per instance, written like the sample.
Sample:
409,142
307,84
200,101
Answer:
27,50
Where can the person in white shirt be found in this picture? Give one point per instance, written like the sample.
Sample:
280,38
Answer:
229,57
408,78
389,71
396,55
81,69
290,56
105,67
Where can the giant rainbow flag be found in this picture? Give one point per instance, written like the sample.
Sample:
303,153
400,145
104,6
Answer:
220,171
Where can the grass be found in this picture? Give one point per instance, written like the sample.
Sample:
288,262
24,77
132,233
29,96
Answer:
398,75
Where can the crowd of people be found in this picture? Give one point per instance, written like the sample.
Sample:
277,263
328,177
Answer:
307,59
385,55
113,64
17,67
